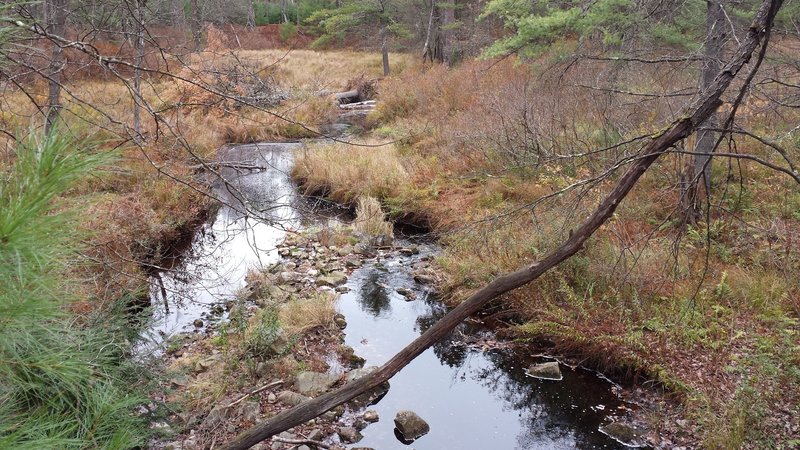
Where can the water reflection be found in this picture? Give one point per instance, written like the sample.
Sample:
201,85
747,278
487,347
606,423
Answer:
472,399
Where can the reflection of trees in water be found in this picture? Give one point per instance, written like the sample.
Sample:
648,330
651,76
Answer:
373,296
551,414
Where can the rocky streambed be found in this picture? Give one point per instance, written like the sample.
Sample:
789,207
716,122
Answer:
320,307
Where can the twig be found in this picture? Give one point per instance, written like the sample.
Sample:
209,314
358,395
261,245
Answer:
256,391
301,442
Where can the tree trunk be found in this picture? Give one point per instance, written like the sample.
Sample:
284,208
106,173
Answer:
196,22
448,20
426,49
137,71
385,50
700,172
56,12
695,115
251,14
178,18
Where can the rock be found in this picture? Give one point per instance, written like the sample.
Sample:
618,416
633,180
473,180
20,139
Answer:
364,250
272,398
314,383
340,321
382,240
251,412
197,323
216,417
623,433
352,262
333,279
410,425
289,277
344,251
545,371
407,293
424,278
359,373
342,289
179,380
349,434
333,415
371,416
315,435
292,398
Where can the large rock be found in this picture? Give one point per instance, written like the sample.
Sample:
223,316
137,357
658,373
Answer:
545,371
349,434
333,279
314,383
410,425
250,412
292,398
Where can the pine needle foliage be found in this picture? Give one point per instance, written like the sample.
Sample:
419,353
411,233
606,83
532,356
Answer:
62,383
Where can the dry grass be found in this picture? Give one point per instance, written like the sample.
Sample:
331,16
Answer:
345,172
370,218
302,314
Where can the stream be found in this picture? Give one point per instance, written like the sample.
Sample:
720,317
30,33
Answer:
473,393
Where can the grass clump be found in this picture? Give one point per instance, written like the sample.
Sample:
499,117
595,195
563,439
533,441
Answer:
370,219
63,383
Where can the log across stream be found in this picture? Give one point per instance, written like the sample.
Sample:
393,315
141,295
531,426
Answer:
473,393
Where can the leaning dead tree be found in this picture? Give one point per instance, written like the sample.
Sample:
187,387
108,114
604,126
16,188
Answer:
660,144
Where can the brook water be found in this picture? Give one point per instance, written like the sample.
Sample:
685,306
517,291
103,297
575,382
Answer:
473,394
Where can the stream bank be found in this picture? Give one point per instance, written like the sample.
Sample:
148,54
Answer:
281,329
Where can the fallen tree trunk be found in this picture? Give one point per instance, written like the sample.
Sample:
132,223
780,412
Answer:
348,96
695,115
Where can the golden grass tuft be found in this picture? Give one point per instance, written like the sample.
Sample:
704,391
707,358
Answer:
302,314
370,218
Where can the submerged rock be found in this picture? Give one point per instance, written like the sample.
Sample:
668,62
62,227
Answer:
545,371
623,433
314,383
410,425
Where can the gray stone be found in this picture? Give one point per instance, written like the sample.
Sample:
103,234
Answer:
314,383
342,289
315,435
197,323
303,447
340,321
359,373
216,417
289,277
424,278
382,240
545,371
333,279
292,398
251,412
349,434
623,433
407,293
272,398
410,425
371,416
352,262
